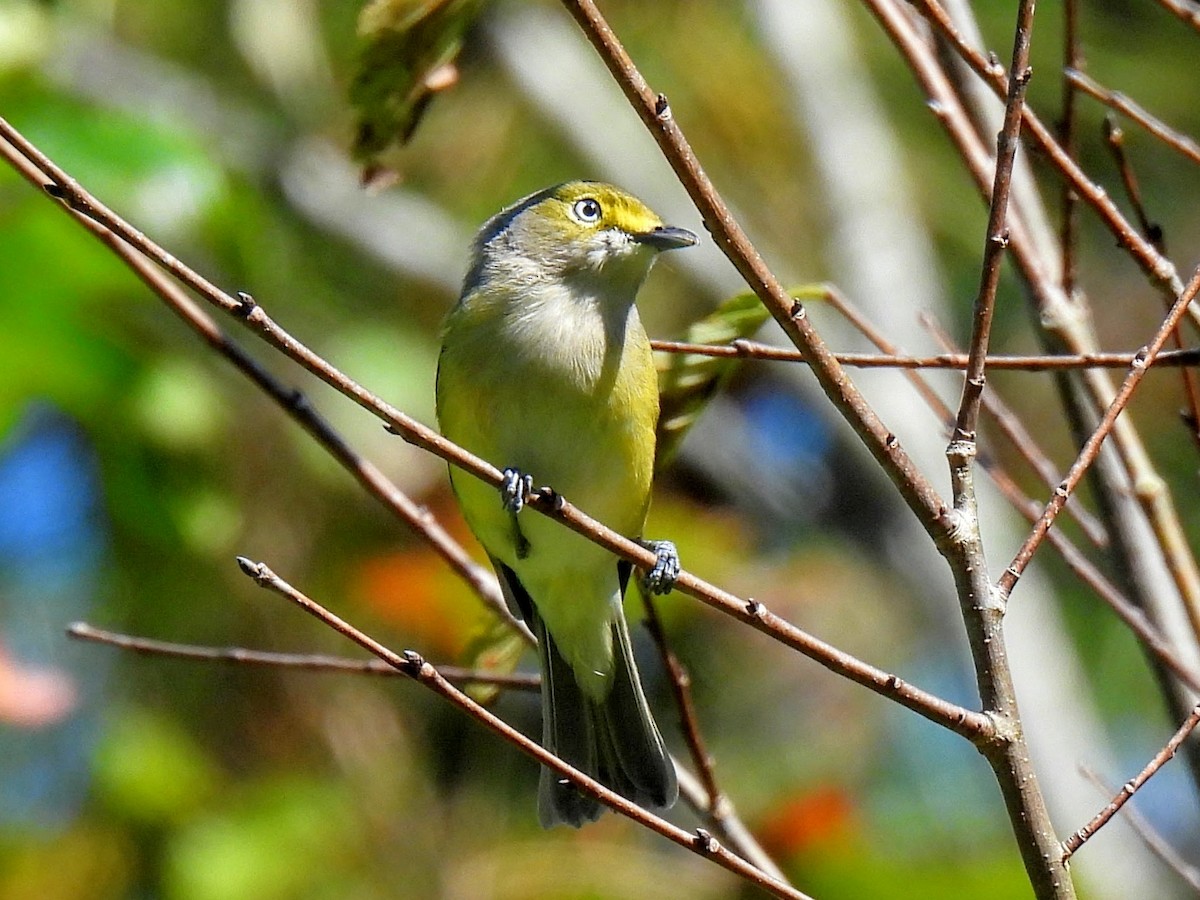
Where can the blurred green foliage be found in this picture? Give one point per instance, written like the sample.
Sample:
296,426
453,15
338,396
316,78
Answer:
215,782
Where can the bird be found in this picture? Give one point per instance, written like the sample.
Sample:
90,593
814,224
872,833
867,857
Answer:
546,372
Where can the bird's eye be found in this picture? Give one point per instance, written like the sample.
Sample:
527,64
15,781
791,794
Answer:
587,210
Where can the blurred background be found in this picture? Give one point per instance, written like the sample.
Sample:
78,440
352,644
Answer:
134,464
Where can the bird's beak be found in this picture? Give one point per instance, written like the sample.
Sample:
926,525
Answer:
667,237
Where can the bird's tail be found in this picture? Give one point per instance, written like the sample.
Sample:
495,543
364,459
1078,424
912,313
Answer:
615,740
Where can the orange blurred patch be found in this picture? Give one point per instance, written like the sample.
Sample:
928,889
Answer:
820,817
405,590
416,592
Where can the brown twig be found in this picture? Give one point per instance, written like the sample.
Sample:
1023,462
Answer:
681,686
1065,320
1006,751
1067,323
1186,10
1114,138
1115,100
713,803
981,611
1160,270
1076,560
309,662
136,251
748,349
724,818
415,667
1152,839
995,243
1022,441
1069,226
1123,796
1092,446
1150,637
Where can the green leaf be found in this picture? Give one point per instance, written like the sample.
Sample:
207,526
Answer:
408,53
151,770
496,650
687,381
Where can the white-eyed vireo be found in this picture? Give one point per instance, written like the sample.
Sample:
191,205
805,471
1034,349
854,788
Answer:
546,372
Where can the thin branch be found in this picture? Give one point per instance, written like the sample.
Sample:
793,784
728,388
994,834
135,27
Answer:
1133,618
1008,424
1160,269
1076,560
748,349
309,662
995,243
1069,227
681,687
415,667
1123,796
1114,138
970,724
1006,752
1066,320
1186,10
711,801
1157,844
982,614
1023,442
1092,446
723,816
1115,100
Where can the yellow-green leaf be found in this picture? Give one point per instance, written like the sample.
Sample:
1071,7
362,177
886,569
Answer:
497,650
408,54
687,381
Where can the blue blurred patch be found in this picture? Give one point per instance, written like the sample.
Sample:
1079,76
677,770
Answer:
53,541
784,429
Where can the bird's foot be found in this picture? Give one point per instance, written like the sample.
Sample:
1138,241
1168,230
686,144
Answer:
661,577
514,489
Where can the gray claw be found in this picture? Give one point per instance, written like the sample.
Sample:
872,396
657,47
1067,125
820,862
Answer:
515,489
661,578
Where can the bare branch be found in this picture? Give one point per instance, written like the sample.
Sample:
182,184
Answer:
1006,752
747,349
1020,438
309,662
996,241
681,686
1088,454
1114,137
1115,100
1077,840
137,251
1186,10
1157,844
1069,227
1160,269
415,667
710,800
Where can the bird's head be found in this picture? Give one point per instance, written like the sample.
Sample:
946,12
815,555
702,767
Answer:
577,230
